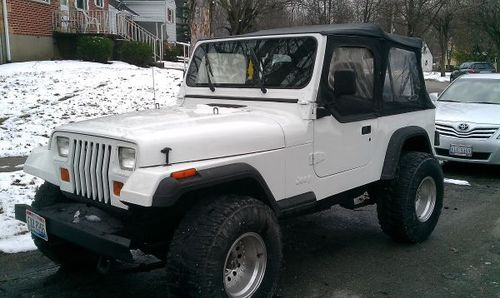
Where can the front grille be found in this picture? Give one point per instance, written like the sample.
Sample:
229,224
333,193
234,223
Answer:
90,170
474,133
475,155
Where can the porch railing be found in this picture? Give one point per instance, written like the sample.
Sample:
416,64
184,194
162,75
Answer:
105,22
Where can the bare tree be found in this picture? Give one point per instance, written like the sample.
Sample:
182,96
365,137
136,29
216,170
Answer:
417,15
442,24
366,11
201,15
242,15
488,19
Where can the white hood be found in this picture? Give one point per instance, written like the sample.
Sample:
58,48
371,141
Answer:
192,134
468,112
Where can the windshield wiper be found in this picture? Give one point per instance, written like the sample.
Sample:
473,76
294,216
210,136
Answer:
260,70
448,100
208,68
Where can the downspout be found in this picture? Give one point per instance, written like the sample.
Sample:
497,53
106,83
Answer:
6,29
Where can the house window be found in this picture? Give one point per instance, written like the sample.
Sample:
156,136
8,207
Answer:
170,15
43,1
81,4
99,3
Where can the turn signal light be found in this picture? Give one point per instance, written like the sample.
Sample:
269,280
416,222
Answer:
117,188
184,174
64,174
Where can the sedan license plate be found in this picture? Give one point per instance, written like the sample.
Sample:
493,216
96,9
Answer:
461,150
36,225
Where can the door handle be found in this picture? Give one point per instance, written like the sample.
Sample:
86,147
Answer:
366,130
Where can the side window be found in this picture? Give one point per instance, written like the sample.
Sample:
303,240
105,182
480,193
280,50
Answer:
402,82
351,77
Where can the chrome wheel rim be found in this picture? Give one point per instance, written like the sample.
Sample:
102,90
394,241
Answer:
425,199
245,265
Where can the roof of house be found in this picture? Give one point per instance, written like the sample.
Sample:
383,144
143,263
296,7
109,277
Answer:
370,30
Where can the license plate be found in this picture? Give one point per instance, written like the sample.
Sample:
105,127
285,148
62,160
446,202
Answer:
36,225
461,150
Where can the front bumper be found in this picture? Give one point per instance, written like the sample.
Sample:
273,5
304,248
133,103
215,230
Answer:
104,237
484,151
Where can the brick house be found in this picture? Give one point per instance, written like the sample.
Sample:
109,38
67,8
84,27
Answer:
31,25
32,28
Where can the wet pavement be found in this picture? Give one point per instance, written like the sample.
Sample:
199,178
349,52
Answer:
335,253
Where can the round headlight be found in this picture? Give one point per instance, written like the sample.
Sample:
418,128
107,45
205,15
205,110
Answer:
126,157
62,146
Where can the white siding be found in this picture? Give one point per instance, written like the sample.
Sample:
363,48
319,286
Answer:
427,58
155,12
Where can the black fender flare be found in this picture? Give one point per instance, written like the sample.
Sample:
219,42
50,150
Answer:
170,190
395,147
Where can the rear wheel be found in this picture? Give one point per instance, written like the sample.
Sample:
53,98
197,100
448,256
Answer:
60,251
230,247
409,206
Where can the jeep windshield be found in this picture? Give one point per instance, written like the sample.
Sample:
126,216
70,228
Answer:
253,63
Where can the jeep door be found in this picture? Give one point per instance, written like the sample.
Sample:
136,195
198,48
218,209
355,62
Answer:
344,133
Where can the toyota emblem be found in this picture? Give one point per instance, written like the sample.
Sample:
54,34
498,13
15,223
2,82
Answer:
463,126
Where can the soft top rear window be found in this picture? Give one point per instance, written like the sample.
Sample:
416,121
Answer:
253,63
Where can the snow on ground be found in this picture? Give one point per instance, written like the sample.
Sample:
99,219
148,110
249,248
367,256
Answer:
37,96
456,182
436,76
15,188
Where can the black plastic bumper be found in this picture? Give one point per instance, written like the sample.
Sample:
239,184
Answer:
92,229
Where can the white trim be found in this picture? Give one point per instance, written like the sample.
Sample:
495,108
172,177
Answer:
172,15
97,5
42,1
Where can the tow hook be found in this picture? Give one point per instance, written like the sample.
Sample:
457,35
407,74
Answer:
103,265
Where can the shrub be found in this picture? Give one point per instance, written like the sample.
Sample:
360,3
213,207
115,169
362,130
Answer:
94,48
170,54
136,53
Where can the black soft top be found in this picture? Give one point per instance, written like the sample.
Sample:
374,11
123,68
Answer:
358,29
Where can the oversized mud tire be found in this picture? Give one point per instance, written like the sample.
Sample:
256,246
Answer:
409,206
226,247
67,255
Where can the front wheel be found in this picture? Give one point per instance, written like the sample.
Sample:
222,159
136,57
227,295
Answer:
409,206
228,247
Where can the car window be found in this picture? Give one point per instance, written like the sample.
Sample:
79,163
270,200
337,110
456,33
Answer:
483,66
272,62
352,68
473,90
402,82
464,65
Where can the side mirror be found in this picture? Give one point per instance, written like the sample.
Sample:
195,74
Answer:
434,96
344,82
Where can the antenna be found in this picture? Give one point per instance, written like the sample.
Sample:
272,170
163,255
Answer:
157,105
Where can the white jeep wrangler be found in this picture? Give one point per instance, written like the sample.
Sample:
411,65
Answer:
270,124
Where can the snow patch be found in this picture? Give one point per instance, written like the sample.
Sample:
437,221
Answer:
456,182
15,188
436,76
35,97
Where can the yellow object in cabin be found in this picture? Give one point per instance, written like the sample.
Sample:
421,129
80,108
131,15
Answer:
250,70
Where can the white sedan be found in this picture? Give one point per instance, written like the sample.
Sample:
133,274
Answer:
468,120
